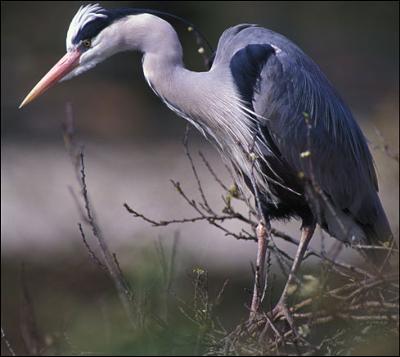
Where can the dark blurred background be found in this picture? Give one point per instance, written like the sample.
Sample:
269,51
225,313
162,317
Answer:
133,147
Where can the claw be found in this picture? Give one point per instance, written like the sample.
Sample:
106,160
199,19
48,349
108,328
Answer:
282,312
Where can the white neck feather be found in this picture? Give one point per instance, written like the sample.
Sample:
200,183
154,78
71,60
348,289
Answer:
207,99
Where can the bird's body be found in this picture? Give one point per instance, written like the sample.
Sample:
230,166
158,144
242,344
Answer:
265,105
307,136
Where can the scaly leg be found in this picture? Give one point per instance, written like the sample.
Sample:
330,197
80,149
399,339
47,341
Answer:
281,307
259,271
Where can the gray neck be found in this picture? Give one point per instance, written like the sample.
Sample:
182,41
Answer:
183,90
190,94
207,99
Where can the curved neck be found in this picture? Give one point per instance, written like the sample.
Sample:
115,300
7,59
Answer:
204,98
208,100
191,94
183,90
162,51
150,35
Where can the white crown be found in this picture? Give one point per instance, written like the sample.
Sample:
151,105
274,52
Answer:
84,15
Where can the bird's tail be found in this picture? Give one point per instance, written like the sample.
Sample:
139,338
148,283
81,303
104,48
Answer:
379,238
371,233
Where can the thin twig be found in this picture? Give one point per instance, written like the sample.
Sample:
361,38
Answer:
214,175
205,204
7,343
181,220
110,262
89,249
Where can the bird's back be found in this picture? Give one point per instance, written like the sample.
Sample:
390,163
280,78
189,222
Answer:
309,133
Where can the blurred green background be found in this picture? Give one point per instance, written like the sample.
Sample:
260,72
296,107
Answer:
133,147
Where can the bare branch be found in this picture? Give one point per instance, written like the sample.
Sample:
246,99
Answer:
181,220
110,262
32,337
89,249
384,147
109,259
7,343
210,169
205,204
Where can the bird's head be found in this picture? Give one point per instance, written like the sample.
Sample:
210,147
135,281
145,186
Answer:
96,33
93,35
85,48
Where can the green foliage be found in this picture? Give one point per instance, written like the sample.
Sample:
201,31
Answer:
189,312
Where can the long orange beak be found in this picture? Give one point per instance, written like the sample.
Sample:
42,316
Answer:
60,69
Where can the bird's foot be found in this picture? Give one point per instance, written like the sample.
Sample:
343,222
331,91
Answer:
281,313
280,310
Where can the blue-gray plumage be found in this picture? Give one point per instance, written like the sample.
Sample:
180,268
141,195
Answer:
285,87
265,105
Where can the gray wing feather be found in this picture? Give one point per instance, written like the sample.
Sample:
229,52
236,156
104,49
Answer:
291,84
341,161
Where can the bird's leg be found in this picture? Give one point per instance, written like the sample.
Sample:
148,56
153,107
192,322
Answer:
259,271
281,308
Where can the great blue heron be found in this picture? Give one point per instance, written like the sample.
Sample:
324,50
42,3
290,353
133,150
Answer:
264,104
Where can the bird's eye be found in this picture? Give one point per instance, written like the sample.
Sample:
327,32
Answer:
87,43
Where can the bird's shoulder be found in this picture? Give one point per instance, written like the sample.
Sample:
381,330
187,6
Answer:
238,37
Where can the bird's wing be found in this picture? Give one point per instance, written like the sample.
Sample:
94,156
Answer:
310,124
289,89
